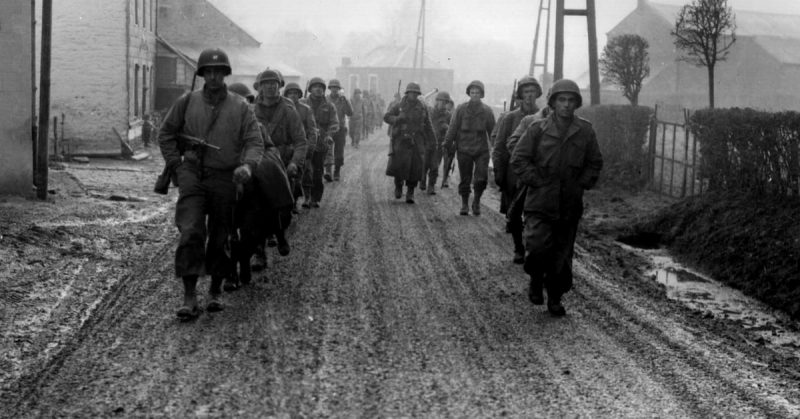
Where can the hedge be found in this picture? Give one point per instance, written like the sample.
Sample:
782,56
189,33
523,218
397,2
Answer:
749,150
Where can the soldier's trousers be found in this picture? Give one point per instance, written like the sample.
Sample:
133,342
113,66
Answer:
204,216
339,141
317,170
473,170
431,166
356,131
515,198
550,247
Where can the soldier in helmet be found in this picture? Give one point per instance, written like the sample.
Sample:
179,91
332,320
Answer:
343,109
440,119
512,201
369,117
357,119
468,134
412,137
448,155
328,123
280,123
243,91
207,177
302,186
557,158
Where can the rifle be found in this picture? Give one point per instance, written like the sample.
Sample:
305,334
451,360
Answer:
399,82
513,97
198,141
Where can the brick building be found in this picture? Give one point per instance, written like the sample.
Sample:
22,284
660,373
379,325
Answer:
16,89
103,54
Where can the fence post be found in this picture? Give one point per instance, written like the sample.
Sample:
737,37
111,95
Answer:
685,151
651,149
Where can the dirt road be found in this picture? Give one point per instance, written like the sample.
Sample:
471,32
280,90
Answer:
386,309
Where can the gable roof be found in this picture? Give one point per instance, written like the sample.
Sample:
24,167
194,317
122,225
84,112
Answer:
184,22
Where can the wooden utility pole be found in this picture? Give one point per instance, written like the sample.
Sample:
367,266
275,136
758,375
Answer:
594,73
544,7
44,101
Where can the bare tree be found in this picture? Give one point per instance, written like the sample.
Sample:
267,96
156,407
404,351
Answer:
705,31
625,62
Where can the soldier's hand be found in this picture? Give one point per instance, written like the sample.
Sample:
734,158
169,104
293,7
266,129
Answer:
242,174
329,141
291,170
401,118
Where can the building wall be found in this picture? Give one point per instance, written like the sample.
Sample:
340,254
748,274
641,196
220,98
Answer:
97,46
384,80
16,89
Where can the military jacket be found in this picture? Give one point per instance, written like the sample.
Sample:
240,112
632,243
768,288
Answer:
284,127
470,128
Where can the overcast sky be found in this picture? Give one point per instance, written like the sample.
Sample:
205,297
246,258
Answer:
508,23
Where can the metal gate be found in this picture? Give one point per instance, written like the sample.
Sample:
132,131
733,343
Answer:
673,156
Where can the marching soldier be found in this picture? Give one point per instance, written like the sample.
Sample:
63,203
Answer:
440,120
556,158
512,201
243,91
343,109
369,117
280,123
328,123
207,177
412,137
448,156
357,119
468,135
303,185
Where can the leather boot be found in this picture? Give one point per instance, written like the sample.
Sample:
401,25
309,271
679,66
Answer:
464,205
431,186
337,172
476,203
554,304
398,191
283,244
190,309
535,290
259,260
327,176
410,195
215,294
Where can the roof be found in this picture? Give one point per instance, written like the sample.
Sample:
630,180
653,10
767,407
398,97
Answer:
777,34
393,55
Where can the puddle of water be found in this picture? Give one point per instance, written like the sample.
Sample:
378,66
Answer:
699,292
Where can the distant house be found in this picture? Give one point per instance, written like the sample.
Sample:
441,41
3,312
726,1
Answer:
103,55
762,70
190,26
386,65
17,107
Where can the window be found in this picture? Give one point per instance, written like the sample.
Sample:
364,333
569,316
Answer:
136,90
144,14
373,83
144,89
136,11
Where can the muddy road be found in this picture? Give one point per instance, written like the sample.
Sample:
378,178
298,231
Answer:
385,309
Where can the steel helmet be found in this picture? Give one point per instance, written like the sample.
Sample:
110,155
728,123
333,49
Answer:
269,75
413,87
316,80
213,57
356,91
241,90
334,83
443,96
478,84
564,86
292,86
528,81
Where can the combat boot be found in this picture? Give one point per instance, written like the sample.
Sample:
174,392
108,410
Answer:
215,294
190,308
410,195
398,191
327,175
554,304
535,291
259,260
464,205
283,244
431,186
337,173
444,182
476,203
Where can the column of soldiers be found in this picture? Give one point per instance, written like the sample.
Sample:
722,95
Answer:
241,162
221,149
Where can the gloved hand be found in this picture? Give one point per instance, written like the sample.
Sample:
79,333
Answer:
242,174
291,170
